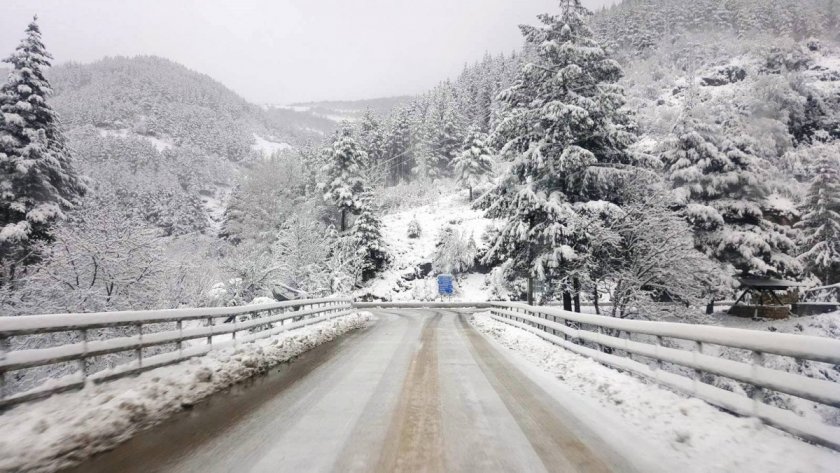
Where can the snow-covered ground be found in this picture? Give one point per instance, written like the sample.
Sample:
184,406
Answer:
267,148
215,204
397,283
701,437
159,144
823,325
65,428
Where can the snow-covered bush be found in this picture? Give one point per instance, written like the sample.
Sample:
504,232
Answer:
414,230
105,260
648,256
503,283
455,252
343,269
226,294
424,289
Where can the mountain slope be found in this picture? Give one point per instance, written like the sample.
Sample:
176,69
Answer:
162,142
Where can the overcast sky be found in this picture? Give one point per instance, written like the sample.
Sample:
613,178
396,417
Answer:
283,51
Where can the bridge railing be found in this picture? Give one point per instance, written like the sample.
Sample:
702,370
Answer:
135,340
612,342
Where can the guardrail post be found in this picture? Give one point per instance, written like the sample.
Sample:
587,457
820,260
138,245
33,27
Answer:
758,394
83,365
235,319
697,375
658,344
180,325
210,324
4,348
139,350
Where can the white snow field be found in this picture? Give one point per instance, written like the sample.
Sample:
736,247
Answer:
690,433
267,148
63,429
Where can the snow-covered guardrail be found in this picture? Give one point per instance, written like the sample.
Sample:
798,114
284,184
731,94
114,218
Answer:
574,331
176,334
423,305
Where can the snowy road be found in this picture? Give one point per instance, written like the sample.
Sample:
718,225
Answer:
419,390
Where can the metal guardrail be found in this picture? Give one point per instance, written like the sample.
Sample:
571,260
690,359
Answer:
265,317
572,330
424,305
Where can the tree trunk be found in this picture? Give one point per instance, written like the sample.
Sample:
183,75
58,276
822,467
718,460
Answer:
567,301
710,307
576,285
530,290
343,216
470,193
595,300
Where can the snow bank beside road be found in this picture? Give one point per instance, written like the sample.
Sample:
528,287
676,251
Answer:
66,428
697,435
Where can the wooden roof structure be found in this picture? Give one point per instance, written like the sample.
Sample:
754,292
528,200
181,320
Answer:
763,286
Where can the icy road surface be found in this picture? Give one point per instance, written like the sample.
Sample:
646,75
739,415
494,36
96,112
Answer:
419,390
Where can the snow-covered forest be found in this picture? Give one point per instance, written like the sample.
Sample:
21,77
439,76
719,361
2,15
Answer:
652,151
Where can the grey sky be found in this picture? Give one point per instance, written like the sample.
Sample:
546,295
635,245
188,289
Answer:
282,51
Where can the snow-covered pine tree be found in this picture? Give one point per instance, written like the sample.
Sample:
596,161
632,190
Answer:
444,132
37,179
719,186
399,145
567,134
344,184
414,229
820,222
369,243
475,164
371,138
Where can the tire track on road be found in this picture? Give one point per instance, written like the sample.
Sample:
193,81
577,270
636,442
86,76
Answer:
414,441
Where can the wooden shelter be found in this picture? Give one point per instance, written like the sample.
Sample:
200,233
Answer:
764,301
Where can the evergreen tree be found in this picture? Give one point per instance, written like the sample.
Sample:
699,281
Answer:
371,138
821,222
719,186
567,134
370,245
475,164
399,145
344,184
37,179
444,132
